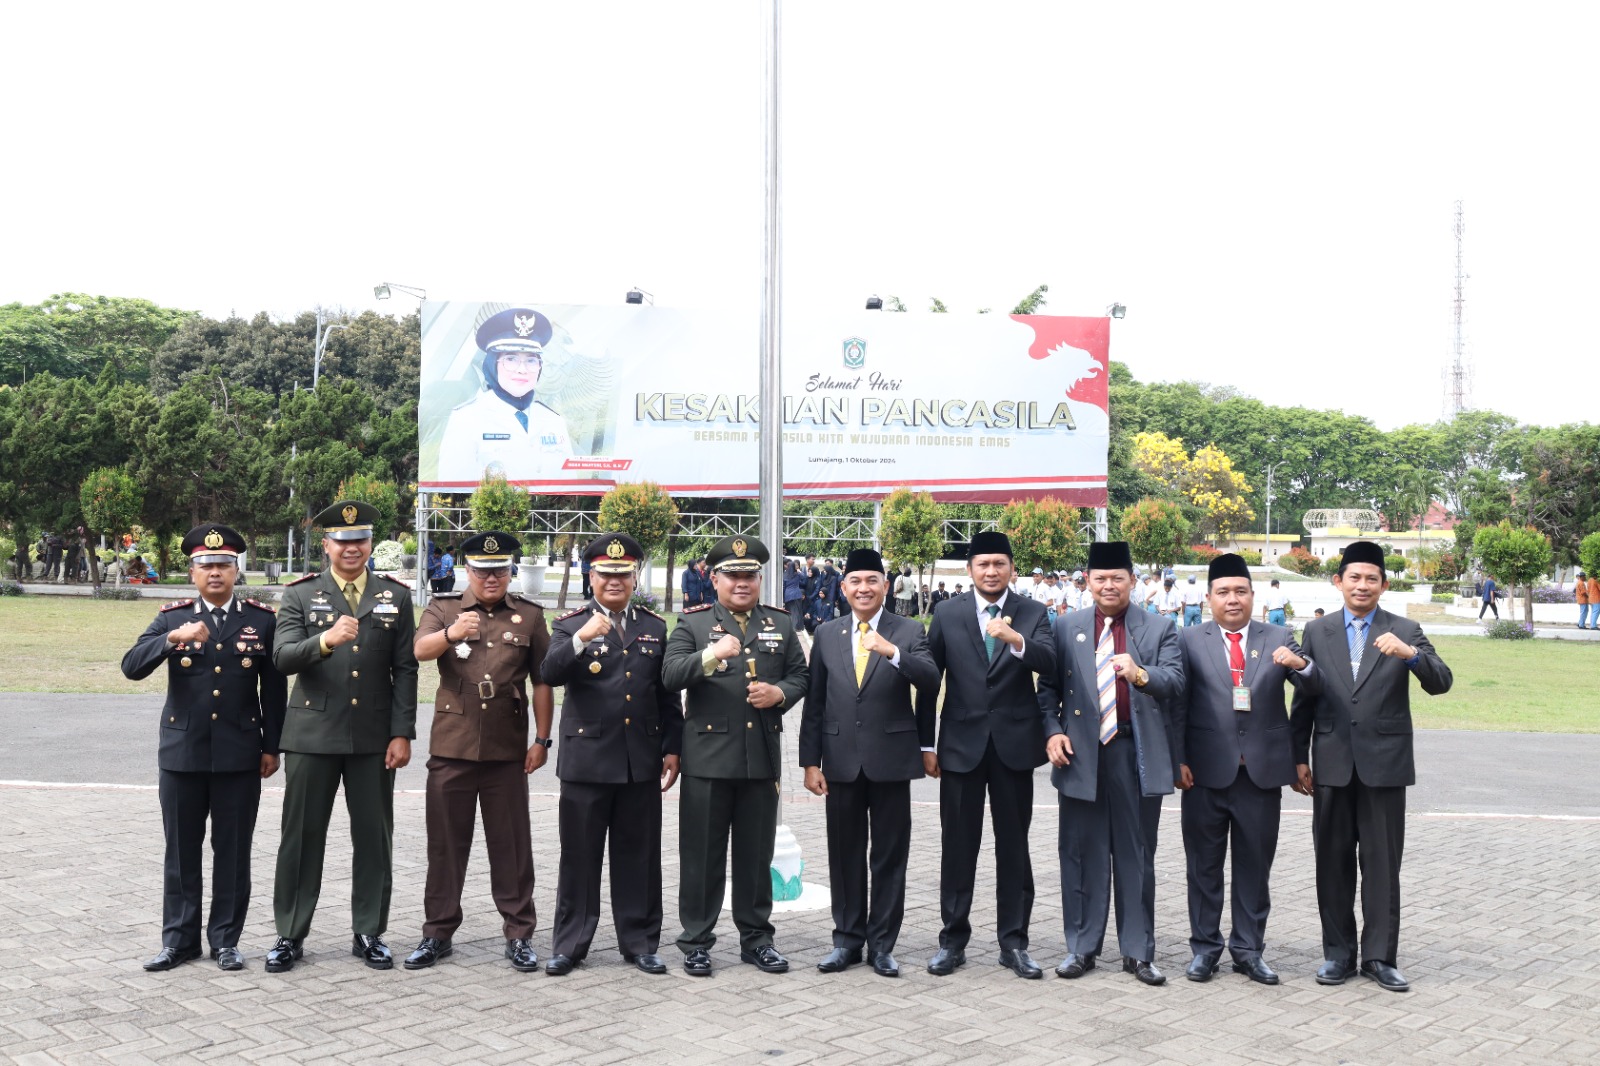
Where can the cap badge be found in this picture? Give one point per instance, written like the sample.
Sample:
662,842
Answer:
615,550
490,544
349,514
213,539
524,325
739,548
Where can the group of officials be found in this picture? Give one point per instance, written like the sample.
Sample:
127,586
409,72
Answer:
1123,708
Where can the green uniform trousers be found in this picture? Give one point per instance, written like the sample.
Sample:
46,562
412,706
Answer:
311,782
708,808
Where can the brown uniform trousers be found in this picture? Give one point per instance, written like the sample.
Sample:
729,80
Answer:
476,749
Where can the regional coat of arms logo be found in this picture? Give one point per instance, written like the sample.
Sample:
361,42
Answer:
855,353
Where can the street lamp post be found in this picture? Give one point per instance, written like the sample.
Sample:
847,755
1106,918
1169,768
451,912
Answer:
1267,536
324,330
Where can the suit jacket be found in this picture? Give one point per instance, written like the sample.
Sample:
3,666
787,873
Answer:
988,699
472,720
364,693
849,730
225,699
724,736
1071,705
1363,725
1211,735
617,718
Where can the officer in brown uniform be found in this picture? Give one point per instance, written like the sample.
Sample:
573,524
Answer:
621,731
487,643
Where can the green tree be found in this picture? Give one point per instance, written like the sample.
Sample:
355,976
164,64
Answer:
1514,556
912,529
110,500
381,494
937,306
1156,532
641,510
499,505
110,332
1032,303
1589,553
1043,533
31,345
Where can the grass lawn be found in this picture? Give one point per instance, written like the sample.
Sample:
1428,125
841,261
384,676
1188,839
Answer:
69,644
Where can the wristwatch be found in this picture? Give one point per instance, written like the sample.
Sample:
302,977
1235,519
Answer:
543,742
1143,678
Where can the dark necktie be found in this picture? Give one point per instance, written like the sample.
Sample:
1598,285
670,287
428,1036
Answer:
218,616
522,420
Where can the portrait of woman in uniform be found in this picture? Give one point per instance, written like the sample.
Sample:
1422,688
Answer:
503,426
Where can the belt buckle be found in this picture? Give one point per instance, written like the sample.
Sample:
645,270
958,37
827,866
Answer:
486,690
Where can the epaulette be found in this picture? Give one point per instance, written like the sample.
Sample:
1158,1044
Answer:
396,580
574,611
444,595
645,610
529,600
775,607
697,608
175,604
264,607
301,580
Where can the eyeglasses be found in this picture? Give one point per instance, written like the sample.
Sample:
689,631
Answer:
522,362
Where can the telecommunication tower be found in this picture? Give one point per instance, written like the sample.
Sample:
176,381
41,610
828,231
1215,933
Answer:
1458,375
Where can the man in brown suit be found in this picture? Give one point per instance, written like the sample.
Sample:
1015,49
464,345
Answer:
487,643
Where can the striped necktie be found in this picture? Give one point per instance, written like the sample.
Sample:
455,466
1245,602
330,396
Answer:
861,652
1358,643
1106,678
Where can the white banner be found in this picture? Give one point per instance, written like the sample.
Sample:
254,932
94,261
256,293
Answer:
574,399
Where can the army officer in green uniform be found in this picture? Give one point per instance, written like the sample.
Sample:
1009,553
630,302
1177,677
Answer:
345,635
741,667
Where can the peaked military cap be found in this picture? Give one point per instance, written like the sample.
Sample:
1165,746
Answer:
348,520
737,554
613,553
517,329
213,543
491,550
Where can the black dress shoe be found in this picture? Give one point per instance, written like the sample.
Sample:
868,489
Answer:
649,962
1144,971
167,958
372,951
1017,961
430,951
697,963
228,958
1255,969
839,959
1387,976
945,962
1074,966
560,965
766,959
1203,967
883,965
522,955
1334,972
282,955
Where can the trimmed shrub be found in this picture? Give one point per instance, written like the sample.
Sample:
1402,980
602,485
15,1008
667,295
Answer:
1301,562
1509,630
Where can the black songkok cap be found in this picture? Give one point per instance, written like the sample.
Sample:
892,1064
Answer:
989,542
1110,555
863,559
1362,551
1228,565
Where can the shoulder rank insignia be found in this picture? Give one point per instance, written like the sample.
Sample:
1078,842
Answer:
775,607
301,579
403,584
642,609
697,608
258,604
575,611
175,604
444,595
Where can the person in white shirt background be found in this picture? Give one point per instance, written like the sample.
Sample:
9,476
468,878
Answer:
1273,605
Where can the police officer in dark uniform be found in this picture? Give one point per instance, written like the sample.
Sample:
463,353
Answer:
742,667
219,737
621,732
346,634
487,642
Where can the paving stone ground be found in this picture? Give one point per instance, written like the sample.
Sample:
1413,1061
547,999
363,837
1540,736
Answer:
1499,933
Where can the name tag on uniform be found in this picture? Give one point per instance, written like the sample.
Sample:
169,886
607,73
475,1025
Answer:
1241,698
385,608
497,436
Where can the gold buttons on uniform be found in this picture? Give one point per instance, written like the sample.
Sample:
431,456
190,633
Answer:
353,703
213,718
490,643
594,667
628,697
219,647
580,729
628,673
486,677
216,692
485,706
356,648
185,661
708,729
355,673
749,725
216,669
172,719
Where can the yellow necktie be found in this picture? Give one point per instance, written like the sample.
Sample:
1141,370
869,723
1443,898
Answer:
862,652
741,619
351,596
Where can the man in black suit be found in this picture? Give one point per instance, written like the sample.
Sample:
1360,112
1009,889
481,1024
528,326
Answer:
220,730
1113,747
988,644
860,745
1235,757
621,732
1358,732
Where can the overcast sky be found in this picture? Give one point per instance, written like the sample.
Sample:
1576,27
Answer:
1267,187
